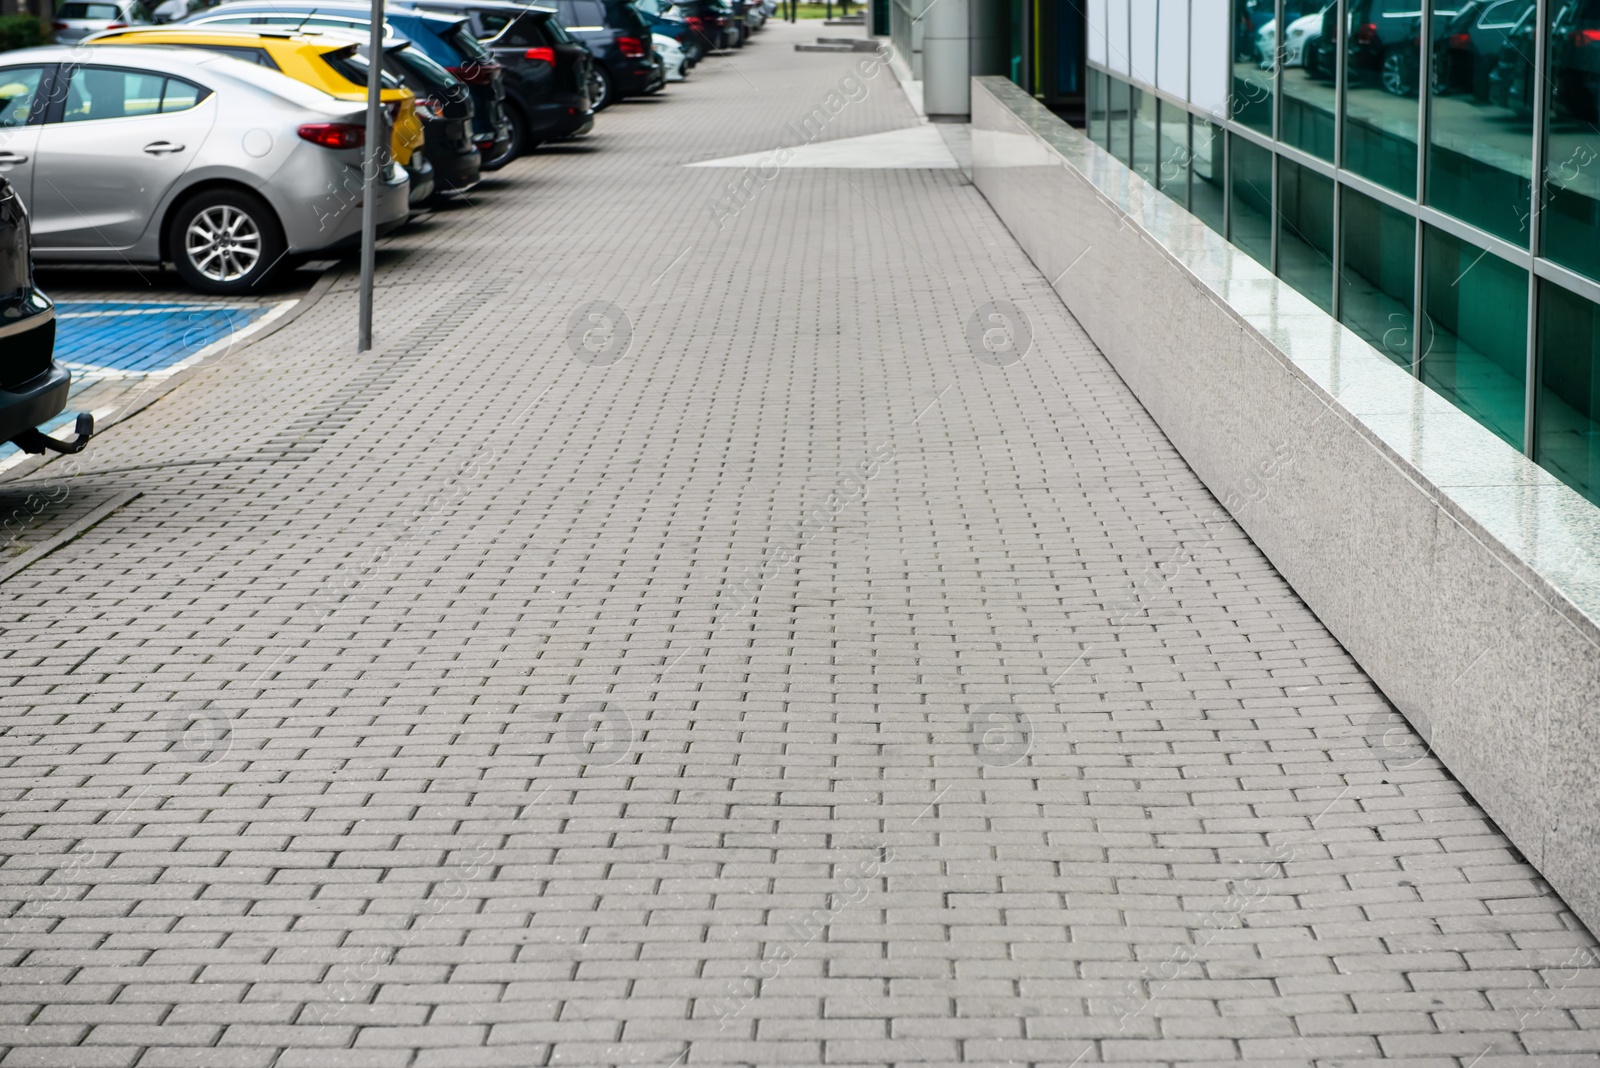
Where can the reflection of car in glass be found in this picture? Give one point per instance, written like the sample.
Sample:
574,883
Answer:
1249,16
1322,51
1512,75
1302,31
1575,58
1384,38
222,167
1466,53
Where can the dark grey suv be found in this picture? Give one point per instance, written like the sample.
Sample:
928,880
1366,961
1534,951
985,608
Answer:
33,386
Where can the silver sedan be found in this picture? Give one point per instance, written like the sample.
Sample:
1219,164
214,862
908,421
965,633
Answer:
225,169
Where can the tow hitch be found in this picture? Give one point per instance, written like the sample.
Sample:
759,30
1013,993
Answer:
32,441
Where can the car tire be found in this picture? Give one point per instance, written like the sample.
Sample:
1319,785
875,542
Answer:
225,241
605,93
519,145
1398,76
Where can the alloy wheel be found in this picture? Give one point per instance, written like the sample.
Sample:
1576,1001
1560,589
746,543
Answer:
223,243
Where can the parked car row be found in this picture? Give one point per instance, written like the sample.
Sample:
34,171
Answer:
231,142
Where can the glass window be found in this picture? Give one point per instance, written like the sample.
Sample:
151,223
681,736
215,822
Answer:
1250,98
19,87
1250,199
1475,339
589,13
97,12
1096,111
1308,97
180,95
1382,66
102,93
1172,154
1206,197
1480,160
1144,135
1569,228
1378,278
1568,440
1305,232
1118,122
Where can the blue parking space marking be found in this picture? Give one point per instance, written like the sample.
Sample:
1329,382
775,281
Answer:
117,344
143,337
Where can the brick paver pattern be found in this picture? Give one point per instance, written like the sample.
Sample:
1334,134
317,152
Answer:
767,680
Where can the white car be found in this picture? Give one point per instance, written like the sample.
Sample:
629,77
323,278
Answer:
1302,31
672,57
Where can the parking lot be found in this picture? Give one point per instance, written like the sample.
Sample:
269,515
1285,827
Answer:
676,642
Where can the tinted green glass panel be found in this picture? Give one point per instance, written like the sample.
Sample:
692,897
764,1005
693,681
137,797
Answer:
1568,440
1381,70
1172,170
1379,275
1569,228
1480,159
1205,173
1118,122
1305,232
1095,112
1144,135
1475,337
1250,203
1308,85
1250,97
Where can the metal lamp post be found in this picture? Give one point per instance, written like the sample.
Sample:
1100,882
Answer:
371,174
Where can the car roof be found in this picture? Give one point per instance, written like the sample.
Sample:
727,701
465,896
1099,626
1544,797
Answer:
311,7
201,66
485,5
305,39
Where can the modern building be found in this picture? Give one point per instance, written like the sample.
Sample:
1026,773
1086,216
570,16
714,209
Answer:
1442,200
1038,44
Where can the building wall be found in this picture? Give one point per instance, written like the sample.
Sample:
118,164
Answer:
1472,262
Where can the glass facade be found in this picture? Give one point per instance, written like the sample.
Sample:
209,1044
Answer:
1428,174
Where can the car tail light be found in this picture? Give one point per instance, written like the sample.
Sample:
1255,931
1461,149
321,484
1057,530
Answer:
1367,34
631,46
541,55
334,134
1460,40
697,24
116,25
1583,38
476,73
59,26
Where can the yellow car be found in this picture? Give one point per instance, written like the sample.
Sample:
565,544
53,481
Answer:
325,62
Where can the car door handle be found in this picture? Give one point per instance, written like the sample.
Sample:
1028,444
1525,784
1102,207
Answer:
161,148
12,157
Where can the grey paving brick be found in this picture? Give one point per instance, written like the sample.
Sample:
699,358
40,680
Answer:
422,567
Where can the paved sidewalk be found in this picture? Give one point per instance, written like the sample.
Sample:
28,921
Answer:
771,676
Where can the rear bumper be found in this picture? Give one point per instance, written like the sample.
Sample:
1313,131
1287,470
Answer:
634,76
37,401
564,116
422,175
